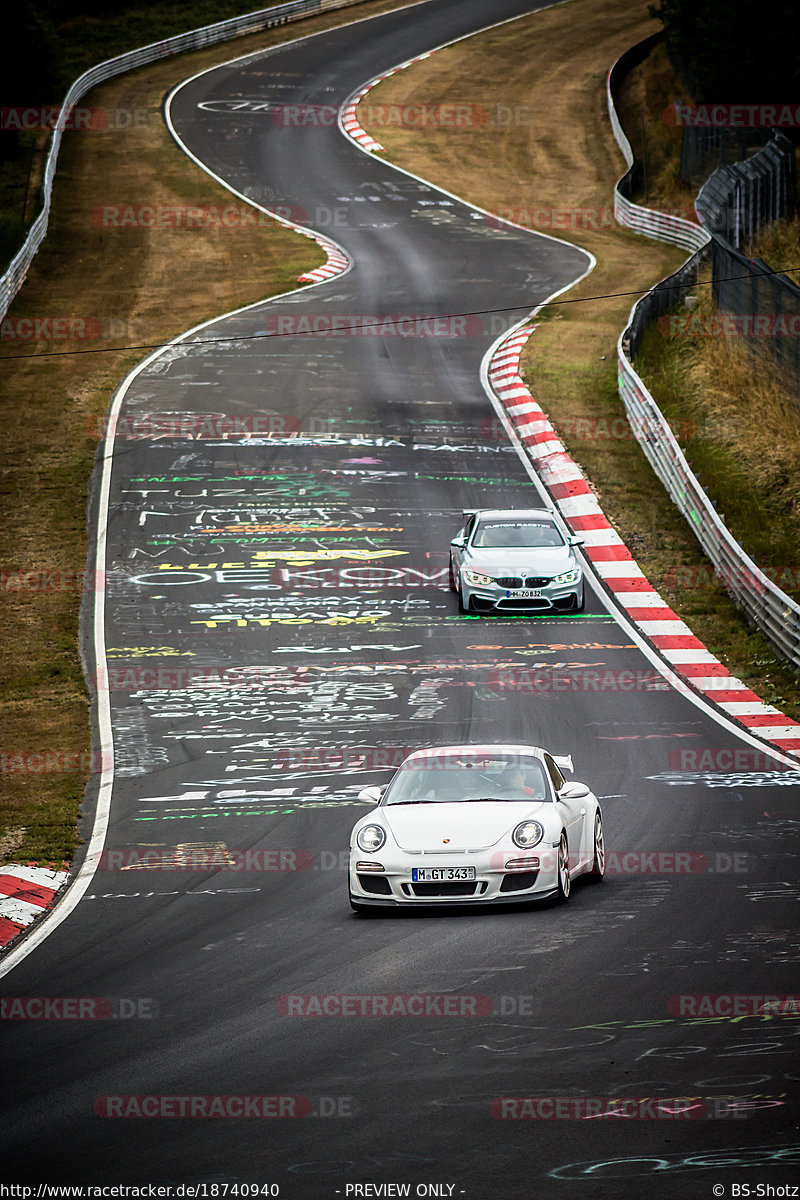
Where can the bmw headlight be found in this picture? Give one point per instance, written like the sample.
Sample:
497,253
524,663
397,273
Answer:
527,834
568,576
371,837
475,578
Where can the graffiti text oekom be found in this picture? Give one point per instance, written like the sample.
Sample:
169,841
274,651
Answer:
281,578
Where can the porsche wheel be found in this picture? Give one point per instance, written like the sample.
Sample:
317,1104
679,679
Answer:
598,869
564,880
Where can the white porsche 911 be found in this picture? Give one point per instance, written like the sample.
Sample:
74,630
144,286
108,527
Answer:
475,825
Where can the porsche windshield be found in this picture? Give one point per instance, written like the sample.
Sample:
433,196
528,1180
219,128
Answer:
444,778
509,535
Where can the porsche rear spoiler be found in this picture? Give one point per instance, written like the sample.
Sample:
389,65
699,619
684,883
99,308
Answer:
563,762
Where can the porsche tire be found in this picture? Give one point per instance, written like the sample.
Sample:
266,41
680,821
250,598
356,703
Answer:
598,868
564,879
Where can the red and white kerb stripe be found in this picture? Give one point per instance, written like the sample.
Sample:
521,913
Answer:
25,892
615,565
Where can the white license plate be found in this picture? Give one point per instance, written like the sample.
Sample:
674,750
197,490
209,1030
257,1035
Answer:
441,874
525,594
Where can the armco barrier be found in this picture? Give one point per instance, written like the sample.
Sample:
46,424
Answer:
661,226
194,39
771,610
739,199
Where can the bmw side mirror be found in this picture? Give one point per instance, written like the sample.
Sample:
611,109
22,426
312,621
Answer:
576,540
458,540
373,794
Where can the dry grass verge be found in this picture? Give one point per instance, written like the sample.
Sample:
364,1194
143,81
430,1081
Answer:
562,160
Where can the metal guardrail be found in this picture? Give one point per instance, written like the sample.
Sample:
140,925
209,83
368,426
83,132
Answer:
194,39
735,202
738,199
664,227
766,605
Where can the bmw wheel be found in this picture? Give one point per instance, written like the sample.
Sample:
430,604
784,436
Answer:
462,608
564,880
453,584
599,856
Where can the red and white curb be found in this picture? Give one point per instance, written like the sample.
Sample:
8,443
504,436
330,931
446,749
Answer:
348,121
337,262
25,893
614,563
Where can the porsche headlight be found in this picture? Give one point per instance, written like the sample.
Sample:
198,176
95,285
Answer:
371,837
474,577
568,576
527,834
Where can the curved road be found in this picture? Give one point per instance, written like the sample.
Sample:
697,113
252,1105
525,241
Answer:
276,601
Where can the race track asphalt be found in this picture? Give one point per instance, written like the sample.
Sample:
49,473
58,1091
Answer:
274,602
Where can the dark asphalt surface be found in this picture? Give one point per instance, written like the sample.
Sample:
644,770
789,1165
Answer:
315,567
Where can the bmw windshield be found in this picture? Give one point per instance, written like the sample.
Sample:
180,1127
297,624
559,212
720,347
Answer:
516,535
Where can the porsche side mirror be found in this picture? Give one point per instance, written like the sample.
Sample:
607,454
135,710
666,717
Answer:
373,794
573,791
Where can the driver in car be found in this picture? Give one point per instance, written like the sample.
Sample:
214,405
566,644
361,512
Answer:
513,780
